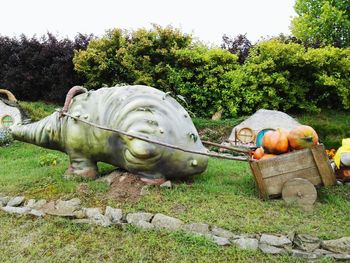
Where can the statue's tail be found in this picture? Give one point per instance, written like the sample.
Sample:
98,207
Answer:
45,133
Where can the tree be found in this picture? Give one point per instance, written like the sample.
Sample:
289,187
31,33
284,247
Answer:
240,46
322,22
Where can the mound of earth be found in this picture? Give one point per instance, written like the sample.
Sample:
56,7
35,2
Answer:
265,119
124,186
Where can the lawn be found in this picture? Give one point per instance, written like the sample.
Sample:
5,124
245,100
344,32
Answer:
225,195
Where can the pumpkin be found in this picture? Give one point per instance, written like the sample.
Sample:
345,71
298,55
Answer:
302,137
268,156
258,153
276,142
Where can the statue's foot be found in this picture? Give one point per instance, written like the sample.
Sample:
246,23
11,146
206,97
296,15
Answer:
150,181
86,173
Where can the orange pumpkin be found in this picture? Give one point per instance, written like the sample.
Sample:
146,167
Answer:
258,153
276,142
302,137
268,156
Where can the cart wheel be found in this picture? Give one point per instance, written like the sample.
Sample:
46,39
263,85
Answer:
299,191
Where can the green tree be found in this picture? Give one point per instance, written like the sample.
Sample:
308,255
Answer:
322,22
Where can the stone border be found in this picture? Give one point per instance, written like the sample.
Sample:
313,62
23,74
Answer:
297,245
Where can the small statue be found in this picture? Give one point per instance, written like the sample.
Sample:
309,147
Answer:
137,110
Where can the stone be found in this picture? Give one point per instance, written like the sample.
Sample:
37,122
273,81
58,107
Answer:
246,243
144,225
61,208
167,222
39,204
4,200
109,179
134,218
339,257
304,254
200,228
306,242
220,241
267,249
92,212
341,245
114,214
15,201
166,184
320,251
37,213
277,241
30,203
79,214
16,210
217,231
96,216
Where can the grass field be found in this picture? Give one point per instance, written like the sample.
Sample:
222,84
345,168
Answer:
225,195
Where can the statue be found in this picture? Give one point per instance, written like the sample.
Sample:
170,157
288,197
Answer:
137,110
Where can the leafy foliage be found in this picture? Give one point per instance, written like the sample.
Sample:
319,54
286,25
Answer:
322,22
35,69
240,46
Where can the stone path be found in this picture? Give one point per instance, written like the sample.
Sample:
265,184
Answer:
297,245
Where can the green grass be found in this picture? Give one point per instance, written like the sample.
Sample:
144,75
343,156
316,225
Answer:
225,195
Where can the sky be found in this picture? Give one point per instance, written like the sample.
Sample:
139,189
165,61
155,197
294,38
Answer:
206,20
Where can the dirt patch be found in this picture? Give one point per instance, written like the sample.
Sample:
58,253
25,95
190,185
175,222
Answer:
125,186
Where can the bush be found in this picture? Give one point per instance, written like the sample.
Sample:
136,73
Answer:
37,69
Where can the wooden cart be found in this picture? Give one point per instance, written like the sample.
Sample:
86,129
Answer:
287,172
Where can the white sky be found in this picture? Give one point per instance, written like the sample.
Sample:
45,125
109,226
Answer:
207,20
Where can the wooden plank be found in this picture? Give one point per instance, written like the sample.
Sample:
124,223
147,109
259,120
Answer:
258,179
288,162
275,184
323,165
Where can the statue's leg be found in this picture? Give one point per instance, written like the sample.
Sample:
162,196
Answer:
82,167
152,179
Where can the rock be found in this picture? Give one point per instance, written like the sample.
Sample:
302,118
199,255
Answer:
217,115
63,208
304,254
221,241
144,225
339,257
32,203
109,179
79,214
91,212
306,242
144,190
163,221
341,245
217,231
277,241
267,249
166,184
320,251
96,216
200,228
4,200
16,201
246,243
134,218
37,213
114,214
16,210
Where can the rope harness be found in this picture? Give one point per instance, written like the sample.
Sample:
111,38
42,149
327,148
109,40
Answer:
244,152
